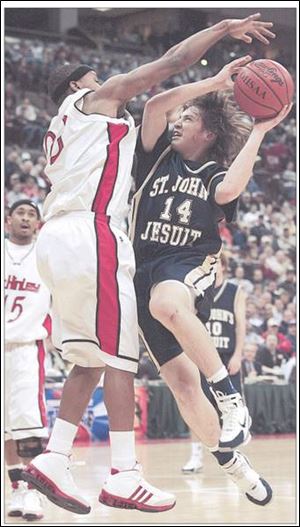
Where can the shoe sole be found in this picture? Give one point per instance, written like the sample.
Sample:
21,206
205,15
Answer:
32,517
47,487
122,503
267,499
14,514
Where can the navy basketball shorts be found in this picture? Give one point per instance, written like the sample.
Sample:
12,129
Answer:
197,273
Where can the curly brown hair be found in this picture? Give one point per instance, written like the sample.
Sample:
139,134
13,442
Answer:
221,116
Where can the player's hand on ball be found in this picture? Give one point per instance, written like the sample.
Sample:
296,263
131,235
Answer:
257,29
223,79
268,124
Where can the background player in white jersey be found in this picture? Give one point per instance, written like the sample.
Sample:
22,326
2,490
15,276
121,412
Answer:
88,263
227,326
185,185
27,304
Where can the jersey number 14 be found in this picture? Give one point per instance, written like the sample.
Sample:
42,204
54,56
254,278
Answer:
184,211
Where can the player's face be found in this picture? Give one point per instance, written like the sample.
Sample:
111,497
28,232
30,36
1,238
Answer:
22,224
89,80
189,135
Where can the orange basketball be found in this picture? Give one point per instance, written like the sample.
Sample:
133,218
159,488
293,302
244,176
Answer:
262,88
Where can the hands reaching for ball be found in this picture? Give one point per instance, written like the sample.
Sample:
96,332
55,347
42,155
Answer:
267,124
223,79
239,28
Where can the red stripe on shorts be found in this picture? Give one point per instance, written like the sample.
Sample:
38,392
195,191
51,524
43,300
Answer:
41,398
108,308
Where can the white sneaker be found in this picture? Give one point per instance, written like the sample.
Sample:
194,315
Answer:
193,466
236,421
15,507
50,474
32,505
256,489
128,490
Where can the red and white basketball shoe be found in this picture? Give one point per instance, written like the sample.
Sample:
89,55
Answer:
50,474
127,489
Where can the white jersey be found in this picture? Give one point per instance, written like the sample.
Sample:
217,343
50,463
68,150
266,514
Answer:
27,300
89,161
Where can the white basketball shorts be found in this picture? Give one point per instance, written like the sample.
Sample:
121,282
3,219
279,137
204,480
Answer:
25,408
88,267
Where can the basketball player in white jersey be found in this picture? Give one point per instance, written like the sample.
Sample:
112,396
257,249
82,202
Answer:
87,262
27,303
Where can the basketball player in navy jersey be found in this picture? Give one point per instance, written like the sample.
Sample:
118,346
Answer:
87,262
184,186
227,327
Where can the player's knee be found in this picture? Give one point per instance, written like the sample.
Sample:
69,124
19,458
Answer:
29,447
92,375
164,310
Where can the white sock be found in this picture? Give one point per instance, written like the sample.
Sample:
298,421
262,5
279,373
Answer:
122,447
62,437
221,374
196,450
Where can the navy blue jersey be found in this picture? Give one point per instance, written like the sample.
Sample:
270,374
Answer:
222,321
174,209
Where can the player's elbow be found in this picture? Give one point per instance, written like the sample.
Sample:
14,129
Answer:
155,105
225,193
150,105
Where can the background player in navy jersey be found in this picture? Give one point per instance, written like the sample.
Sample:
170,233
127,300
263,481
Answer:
88,263
27,304
227,327
184,186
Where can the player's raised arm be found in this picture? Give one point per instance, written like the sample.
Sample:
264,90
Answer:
123,87
240,171
157,108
